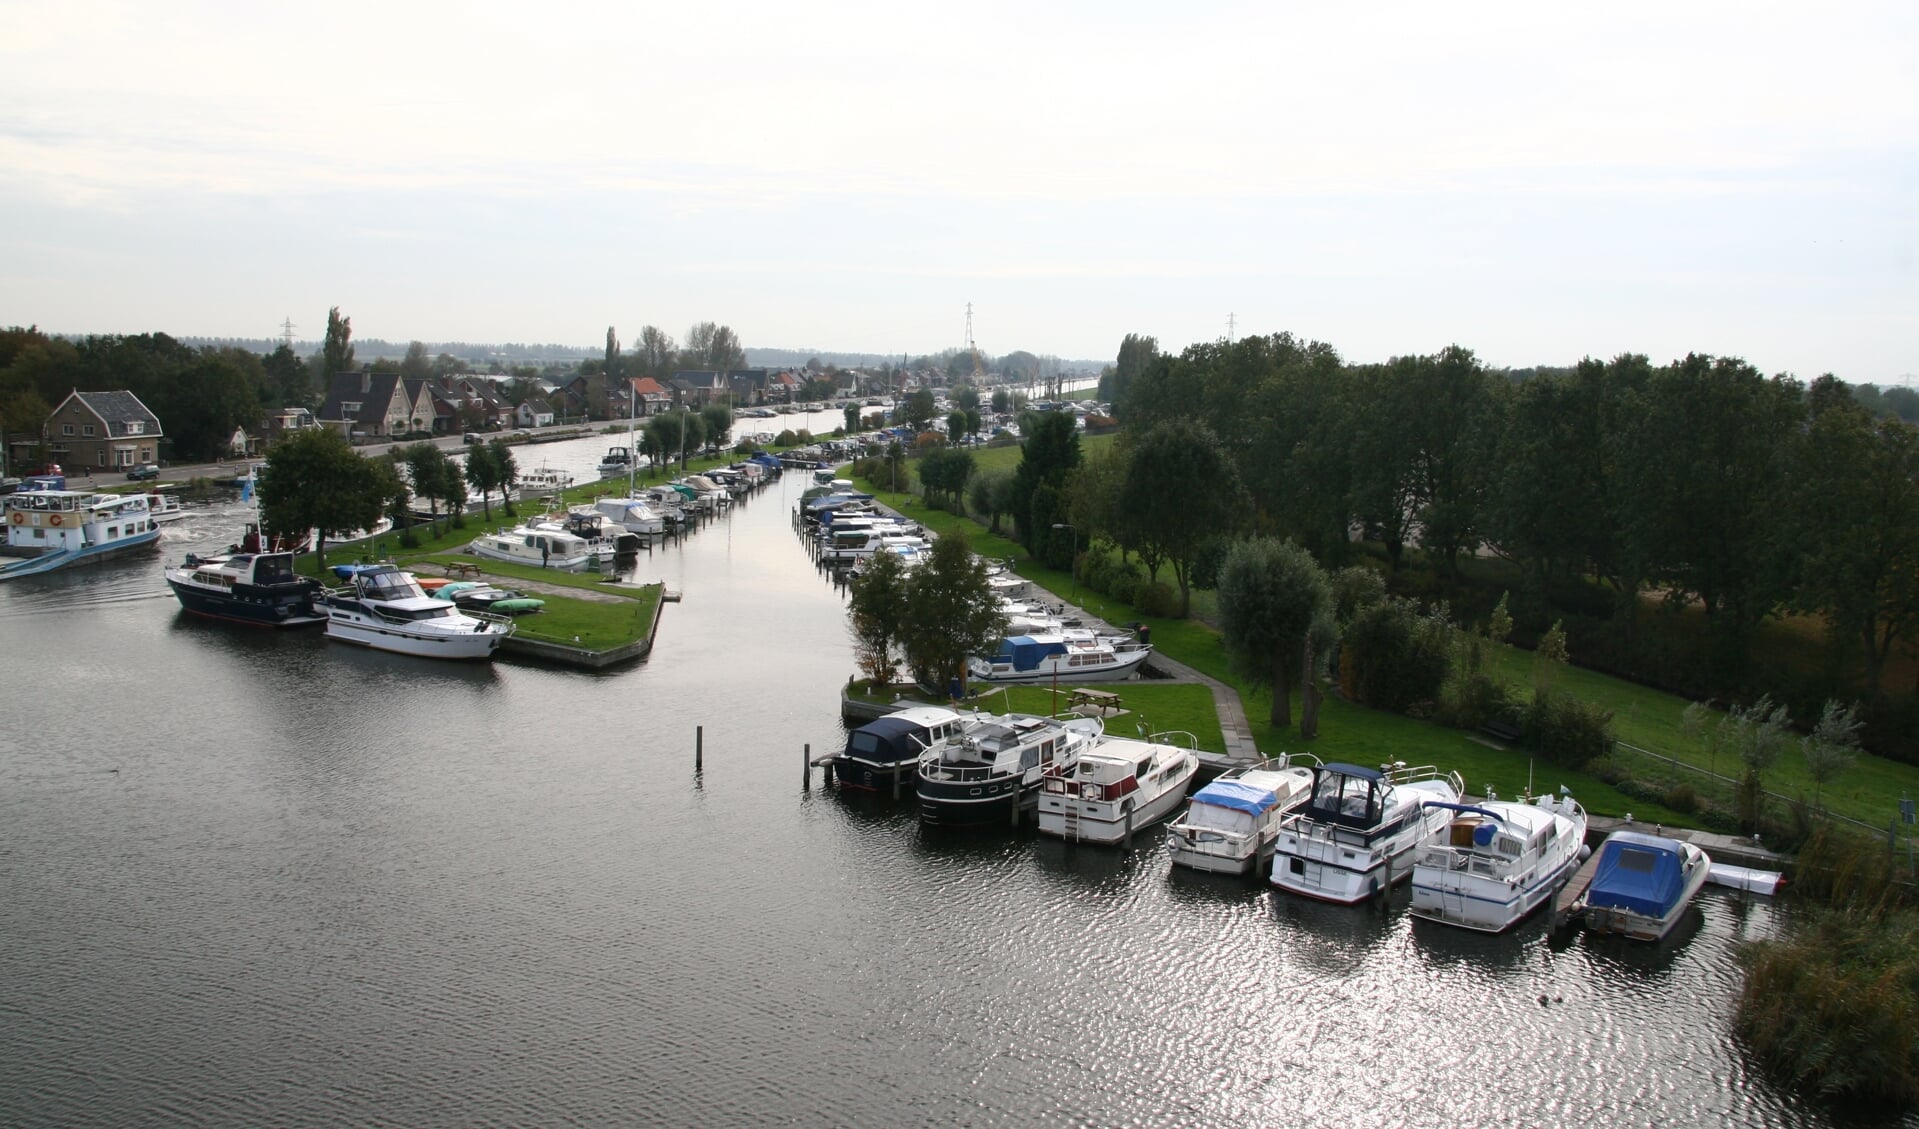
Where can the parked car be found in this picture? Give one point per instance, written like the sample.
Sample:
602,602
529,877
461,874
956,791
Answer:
143,471
472,437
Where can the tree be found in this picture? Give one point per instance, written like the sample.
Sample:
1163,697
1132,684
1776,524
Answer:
483,472
287,382
716,420
416,363
986,494
509,471
337,354
313,480
204,400
951,612
655,352
851,413
713,347
1049,454
1135,353
877,610
1002,401
965,398
432,473
956,425
944,472
1831,747
1273,599
1757,733
919,409
1180,488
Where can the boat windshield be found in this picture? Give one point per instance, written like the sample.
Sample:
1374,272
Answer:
393,585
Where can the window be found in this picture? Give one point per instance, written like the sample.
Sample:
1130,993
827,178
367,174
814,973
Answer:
349,407
136,427
87,430
66,429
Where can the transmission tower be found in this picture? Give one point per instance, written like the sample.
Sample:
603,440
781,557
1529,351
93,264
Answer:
1232,323
971,347
286,332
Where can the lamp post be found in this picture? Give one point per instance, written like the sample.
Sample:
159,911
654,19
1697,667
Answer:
1065,525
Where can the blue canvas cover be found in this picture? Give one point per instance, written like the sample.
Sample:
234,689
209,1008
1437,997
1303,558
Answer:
1025,652
886,740
1637,872
1239,797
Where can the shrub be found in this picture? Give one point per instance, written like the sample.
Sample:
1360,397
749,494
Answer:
1471,700
1124,582
1399,655
1682,798
1568,732
1156,599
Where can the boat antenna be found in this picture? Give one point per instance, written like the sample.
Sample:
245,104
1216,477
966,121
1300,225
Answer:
1529,776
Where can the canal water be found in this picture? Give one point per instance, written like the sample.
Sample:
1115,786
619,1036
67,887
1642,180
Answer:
250,879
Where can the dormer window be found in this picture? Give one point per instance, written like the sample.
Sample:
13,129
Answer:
136,427
350,407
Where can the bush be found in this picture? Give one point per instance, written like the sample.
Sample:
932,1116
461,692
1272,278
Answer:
1156,599
1395,655
1124,582
1682,798
1471,700
1568,732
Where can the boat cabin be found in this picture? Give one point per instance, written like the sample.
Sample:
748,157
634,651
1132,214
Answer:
1348,795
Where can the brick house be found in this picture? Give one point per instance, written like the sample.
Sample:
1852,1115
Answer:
102,431
374,404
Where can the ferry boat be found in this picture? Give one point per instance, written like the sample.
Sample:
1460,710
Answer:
384,608
260,589
1355,836
1643,884
1233,823
1499,861
55,529
1056,658
1117,787
981,774
886,751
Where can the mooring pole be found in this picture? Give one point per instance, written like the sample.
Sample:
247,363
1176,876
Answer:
699,748
806,768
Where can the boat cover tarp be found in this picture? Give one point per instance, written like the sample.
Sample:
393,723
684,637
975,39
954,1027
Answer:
886,740
1240,797
1025,652
1638,872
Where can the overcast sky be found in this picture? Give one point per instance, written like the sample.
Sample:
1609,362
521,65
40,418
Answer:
1535,182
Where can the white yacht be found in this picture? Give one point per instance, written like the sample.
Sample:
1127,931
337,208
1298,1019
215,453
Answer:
1233,823
1118,787
1499,861
386,609
541,546
538,483
1059,658
1355,836
633,513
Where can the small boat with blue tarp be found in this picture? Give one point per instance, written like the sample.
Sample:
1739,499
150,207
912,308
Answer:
1233,823
1058,658
1643,884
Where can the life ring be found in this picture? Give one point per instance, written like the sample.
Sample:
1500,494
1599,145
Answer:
53,519
18,517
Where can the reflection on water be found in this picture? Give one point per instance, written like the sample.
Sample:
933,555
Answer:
254,877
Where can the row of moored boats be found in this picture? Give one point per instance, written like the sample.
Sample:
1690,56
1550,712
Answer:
1335,832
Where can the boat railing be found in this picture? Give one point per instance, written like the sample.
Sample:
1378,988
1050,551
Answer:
1178,738
934,766
1459,860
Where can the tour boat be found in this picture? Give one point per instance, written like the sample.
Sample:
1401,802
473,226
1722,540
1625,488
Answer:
1117,787
381,607
1499,861
981,774
886,751
255,588
1642,884
1056,658
1355,836
55,529
1233,823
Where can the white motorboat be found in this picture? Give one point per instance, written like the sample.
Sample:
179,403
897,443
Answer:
1355,835
1642,884
1119,786
386,609
981,773
1233,823
634,513
617,461
538,544
543,481
1058,658
162,508
1499,861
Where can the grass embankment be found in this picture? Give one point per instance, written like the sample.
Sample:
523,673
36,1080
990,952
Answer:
1159,707
1833,1009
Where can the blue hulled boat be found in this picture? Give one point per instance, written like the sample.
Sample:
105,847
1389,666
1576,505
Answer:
261,589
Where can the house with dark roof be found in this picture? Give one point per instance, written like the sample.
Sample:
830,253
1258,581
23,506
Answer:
373,404
102,430
278,423
700,388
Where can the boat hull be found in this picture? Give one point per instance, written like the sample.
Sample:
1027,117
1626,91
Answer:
1104,823
79,558
1330,865
1126,667
1482,904
256,609
972,803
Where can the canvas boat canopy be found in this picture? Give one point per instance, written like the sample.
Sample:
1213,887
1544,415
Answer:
1237,796
1641,873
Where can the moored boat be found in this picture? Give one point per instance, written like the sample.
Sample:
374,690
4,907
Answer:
1117,787
1057,658
885,752
164,508
381,607
50,529
1643,884
1355,835
1498,862
979,775
542,481
261,589
1233,823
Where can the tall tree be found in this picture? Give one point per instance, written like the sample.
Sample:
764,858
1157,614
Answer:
877,612
337,353
716,420
1049,453
483,473
1135,353
951,612
1180,489
416,363
314,481
655,352
288,384
713,347
1273,598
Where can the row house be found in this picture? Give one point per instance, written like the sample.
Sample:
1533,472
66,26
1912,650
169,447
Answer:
102,430
365,405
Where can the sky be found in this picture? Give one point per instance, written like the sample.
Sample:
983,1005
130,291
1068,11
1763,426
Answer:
1536,182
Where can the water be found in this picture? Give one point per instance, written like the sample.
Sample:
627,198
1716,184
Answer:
262,879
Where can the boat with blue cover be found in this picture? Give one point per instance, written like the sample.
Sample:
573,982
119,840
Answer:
886,751
1643,884
1233,823
50,529
1059,658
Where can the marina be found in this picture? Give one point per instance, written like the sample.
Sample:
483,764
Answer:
255,895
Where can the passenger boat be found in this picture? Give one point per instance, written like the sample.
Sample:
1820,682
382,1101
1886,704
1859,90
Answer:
1356,834
381,607
886,751
55,529
981,774
536,484
1117,787
1233,823
1056,658
1642,884
254,588
1499,861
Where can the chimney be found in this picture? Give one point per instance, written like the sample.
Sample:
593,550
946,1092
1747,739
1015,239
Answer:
366,382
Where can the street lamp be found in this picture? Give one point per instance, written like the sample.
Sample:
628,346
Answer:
1064,525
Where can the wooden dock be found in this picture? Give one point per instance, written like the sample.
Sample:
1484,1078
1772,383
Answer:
1572,896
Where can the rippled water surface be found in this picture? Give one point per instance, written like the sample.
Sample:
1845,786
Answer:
250,878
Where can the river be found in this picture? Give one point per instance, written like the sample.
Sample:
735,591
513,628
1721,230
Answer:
264,879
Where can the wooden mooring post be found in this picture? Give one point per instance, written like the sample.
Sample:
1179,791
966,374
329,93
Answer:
699,748
806,768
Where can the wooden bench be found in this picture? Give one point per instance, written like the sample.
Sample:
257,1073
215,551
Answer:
1502,731
462,568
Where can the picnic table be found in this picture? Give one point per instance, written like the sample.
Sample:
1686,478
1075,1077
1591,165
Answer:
1095,703
462,568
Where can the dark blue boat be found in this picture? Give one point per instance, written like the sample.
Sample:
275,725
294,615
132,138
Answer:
883,754
254,588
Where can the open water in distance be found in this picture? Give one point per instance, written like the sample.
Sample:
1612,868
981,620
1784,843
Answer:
264,879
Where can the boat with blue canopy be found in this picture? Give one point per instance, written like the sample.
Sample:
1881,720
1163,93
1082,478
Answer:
1643,884
1232,824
